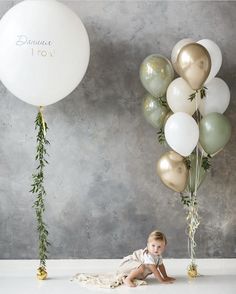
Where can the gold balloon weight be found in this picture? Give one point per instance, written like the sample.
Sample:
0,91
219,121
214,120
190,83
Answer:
192,271
173,171
41,273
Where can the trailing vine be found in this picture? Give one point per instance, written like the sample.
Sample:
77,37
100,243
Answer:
163,101
206,162
161,136
202,92
187,161
38,188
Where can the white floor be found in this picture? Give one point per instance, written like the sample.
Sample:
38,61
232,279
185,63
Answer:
218,276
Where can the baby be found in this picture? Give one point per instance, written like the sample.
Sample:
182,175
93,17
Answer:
144,262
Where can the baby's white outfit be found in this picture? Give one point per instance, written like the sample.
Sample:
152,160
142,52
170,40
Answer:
151,259
139,257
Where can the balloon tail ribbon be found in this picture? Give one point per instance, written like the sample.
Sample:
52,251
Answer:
192,217
193,223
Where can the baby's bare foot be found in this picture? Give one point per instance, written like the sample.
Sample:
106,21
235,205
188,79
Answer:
128,282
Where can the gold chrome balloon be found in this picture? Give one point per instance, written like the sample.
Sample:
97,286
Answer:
194,64
175,52
173,171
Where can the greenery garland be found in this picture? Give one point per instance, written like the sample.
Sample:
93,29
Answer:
202,92
161,136
39,191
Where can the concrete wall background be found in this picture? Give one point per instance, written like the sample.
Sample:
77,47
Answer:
104,196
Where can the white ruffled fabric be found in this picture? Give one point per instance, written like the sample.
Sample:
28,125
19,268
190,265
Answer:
112,281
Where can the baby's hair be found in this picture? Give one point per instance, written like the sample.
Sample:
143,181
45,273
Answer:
157,235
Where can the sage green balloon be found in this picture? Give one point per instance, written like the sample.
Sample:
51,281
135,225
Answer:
215,132
156,73
201,173
154,111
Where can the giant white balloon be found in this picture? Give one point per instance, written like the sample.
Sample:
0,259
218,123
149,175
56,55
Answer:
216,57
181,133
44,51
177,96
217,97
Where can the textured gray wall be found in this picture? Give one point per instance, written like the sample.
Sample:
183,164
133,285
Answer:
104,196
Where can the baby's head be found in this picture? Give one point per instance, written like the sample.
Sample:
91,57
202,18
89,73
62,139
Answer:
156,243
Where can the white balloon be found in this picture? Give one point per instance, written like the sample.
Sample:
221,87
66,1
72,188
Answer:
217,97
44,51
216,57
177,96
178,46
181,133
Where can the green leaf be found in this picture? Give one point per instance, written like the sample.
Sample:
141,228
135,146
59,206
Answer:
163,101
193,95
187,161
206,162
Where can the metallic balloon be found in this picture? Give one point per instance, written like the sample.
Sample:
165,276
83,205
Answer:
175,51
156,73
154,111
173,171
194,64
215,132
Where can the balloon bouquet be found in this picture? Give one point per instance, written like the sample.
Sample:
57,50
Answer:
188,111
44,54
